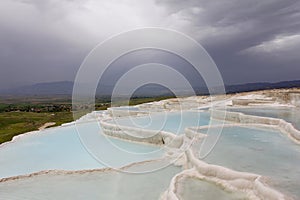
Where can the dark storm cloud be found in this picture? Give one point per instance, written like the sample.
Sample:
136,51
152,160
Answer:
47,40
34,49
250,40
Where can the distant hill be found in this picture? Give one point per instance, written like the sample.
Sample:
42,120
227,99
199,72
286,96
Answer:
51,88
261,86
66,88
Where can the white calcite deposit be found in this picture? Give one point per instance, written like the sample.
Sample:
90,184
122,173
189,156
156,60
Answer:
181,149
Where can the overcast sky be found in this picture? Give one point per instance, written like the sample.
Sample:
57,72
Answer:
250,40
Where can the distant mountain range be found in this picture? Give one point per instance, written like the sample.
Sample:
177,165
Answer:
66,87
261,86
50,88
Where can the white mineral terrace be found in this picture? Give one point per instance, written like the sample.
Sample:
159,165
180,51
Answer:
182,149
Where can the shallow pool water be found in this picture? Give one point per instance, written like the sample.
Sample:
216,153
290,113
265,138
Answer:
61,148
174,122
261,151
289,114
83,146
194,189
90,185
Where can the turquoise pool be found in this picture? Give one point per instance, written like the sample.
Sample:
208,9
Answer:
261,151
90,185
60,148
174,122
289,114
243,148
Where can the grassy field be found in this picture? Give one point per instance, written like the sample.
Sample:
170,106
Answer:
15,123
